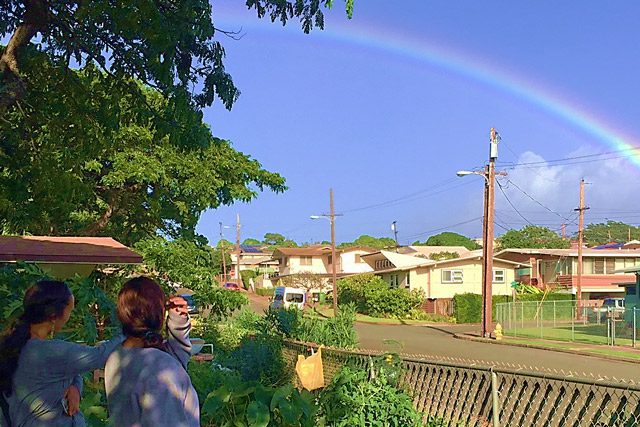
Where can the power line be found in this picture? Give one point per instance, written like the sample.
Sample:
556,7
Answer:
412,196
512,205
441,228
577,157
535,200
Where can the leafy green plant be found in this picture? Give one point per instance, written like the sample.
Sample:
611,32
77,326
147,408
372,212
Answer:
265,292
335,331
254,404
257,358
360,398
373,296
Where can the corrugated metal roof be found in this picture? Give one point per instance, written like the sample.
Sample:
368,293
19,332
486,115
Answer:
75,250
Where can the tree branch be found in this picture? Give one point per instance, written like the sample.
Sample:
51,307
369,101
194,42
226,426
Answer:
36,16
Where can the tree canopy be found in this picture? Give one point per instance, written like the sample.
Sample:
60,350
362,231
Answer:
449,238
370,241
86,154
611,231
532,236
171,45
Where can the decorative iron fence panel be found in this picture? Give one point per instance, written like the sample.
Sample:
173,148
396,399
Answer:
461,395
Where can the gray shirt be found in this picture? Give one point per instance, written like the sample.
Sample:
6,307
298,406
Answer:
46,368
151,387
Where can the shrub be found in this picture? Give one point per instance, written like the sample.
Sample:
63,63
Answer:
337,331
373,296
257,358
265,292
356,398
254,404
246,275
467,308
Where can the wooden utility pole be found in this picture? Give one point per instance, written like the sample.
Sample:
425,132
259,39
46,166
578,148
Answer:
334,261
564,231
224,261
581,209
238,279
487,246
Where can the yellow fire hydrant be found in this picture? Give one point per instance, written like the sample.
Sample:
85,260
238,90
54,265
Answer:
498,332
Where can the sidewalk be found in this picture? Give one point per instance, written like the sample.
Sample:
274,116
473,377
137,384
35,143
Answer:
625,354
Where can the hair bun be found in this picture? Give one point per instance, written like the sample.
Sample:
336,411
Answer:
152,339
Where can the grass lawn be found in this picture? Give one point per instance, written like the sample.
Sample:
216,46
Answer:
591,334
629,354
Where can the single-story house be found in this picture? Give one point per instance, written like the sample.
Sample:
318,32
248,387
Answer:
441,280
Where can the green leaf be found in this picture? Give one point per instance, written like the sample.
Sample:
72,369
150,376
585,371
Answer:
258,414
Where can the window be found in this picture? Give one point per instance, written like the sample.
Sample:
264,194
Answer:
306,260
407,283
610,265
381,264
587,265
393,281
498,276
452,276
295,298
598,266
330,259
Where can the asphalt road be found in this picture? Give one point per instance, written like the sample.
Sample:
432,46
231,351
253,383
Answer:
440,342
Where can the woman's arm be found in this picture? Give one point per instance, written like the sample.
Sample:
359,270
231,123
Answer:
178,327
77,359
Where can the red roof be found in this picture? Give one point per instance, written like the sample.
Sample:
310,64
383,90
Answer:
75,250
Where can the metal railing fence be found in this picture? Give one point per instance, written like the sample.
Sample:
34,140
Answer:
460,395
570,321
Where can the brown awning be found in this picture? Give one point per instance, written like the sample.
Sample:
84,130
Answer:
74,250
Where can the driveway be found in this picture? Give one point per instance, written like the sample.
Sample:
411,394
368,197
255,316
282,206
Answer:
439,342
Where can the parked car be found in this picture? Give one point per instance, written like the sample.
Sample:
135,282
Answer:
231,286
613,307
285,297
191,304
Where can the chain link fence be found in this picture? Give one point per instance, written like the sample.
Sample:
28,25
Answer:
457,394
584,321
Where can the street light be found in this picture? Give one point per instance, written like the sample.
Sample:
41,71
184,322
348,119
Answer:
224,262
488,174
331,218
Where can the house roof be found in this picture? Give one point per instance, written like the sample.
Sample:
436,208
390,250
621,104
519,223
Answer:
431,263
71,250
590,252
357,248
307,251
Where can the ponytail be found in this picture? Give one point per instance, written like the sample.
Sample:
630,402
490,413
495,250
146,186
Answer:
10,347
43,301
141,310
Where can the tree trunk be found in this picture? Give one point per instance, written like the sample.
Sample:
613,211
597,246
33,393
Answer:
13,87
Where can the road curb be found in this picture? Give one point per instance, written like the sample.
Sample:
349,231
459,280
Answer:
558,350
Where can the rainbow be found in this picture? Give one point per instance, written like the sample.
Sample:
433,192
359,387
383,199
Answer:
466,66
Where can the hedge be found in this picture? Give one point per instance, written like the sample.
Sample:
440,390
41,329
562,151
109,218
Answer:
265,292
467,308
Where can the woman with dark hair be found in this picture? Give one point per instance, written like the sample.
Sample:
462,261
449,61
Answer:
146,378
40,377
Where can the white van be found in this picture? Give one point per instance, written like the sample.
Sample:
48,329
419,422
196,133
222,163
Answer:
284,297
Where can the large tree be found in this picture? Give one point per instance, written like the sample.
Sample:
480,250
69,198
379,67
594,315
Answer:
87,154
449,238
532,236
611,231
172,45
371,242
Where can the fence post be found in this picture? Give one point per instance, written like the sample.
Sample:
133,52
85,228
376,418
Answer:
494,399
573,325
522,314
541,318
634,327
554,313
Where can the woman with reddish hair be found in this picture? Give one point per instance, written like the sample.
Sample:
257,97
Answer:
146,378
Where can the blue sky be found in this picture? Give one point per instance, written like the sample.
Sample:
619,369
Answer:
386,107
